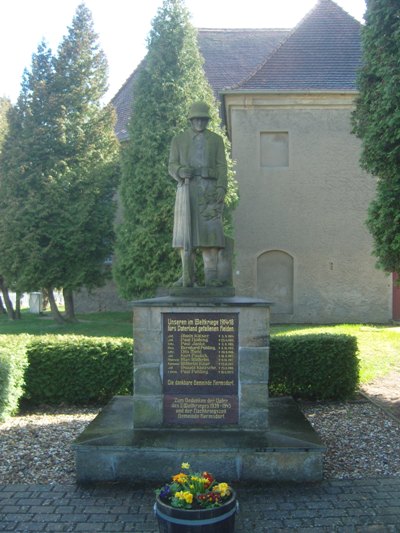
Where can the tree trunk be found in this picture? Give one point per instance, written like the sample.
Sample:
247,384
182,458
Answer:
69,305
7,300
45,302
55,313
3,310
18,306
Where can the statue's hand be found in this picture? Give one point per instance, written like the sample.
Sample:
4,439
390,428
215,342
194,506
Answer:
220,192
185,172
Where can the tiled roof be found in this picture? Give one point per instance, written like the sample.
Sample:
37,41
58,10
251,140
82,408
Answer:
323,52
229,56
122,103
233,54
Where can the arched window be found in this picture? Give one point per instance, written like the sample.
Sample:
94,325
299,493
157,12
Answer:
275,280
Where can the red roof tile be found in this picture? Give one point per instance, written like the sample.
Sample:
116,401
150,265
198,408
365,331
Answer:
323,52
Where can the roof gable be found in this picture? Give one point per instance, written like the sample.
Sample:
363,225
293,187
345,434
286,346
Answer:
323,52
229,56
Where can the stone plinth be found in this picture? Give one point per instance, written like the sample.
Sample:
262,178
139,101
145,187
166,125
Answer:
200,396
252,357
110,450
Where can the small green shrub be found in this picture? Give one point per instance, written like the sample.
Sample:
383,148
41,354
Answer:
13,361
78,370
315,366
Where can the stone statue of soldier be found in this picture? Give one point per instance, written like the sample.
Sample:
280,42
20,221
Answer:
198,163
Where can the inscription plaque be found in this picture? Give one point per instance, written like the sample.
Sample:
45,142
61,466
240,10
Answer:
200,378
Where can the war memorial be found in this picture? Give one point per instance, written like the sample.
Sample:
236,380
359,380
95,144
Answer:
201,357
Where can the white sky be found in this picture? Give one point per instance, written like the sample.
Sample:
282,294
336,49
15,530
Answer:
123,26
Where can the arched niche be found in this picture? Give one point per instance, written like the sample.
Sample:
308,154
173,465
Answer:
275,280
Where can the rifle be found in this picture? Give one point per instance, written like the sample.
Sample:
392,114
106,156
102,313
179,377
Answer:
187,267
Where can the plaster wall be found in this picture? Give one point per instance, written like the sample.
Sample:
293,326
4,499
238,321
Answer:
313,207
102,299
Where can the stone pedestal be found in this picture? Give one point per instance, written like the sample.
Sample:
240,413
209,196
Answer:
200,396
251,318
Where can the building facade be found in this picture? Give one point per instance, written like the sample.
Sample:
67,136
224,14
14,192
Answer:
300,235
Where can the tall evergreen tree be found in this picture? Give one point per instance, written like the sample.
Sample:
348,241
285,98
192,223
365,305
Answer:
90,152
21,174
61,168
6,307
377,123
170,79
5,106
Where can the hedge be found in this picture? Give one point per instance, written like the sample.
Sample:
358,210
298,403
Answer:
13,362
78,370
316,366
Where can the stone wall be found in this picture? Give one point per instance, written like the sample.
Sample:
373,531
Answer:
300,234
104,299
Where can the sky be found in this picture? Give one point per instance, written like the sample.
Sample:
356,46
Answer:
123,27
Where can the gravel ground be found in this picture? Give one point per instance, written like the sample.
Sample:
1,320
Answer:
35,447
362,441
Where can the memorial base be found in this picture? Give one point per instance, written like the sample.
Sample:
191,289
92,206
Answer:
110,450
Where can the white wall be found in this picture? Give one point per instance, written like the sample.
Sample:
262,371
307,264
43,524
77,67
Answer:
313,207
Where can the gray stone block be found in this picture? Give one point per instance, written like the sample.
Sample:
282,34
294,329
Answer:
147,346
254,326
254,395
253,364
147,380
110,450
147,411
141,318
253,419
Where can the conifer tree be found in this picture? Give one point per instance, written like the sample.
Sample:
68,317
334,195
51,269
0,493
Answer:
60,169
24,163
90,153
170,79
5,106
6,307
377,123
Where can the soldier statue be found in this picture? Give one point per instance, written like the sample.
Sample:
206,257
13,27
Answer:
198,163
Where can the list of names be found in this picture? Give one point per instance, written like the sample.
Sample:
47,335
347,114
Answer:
200,368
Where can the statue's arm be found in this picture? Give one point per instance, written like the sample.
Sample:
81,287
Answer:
221,165
174,162
176,169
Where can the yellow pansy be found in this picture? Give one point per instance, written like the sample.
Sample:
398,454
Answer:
184,495
223,489
180,478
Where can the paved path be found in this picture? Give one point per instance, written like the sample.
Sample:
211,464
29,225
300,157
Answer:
362,506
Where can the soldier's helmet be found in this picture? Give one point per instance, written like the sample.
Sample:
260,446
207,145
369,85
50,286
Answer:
199,110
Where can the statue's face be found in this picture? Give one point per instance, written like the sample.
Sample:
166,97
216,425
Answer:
199,123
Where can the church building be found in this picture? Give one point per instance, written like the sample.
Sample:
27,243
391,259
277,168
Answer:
300,236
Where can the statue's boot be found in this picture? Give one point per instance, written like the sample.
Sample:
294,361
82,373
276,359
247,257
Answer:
179,283
211,278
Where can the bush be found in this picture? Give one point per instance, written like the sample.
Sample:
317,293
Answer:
13,362
316,366
78,370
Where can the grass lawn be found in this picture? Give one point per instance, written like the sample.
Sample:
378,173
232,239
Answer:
91,324
379,345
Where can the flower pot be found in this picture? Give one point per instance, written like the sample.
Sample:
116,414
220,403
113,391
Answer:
216,520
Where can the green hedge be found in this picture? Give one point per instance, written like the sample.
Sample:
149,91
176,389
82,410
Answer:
315,366
78,370
13,362
81,370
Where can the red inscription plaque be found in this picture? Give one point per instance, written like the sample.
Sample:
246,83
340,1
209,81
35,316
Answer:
200,368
